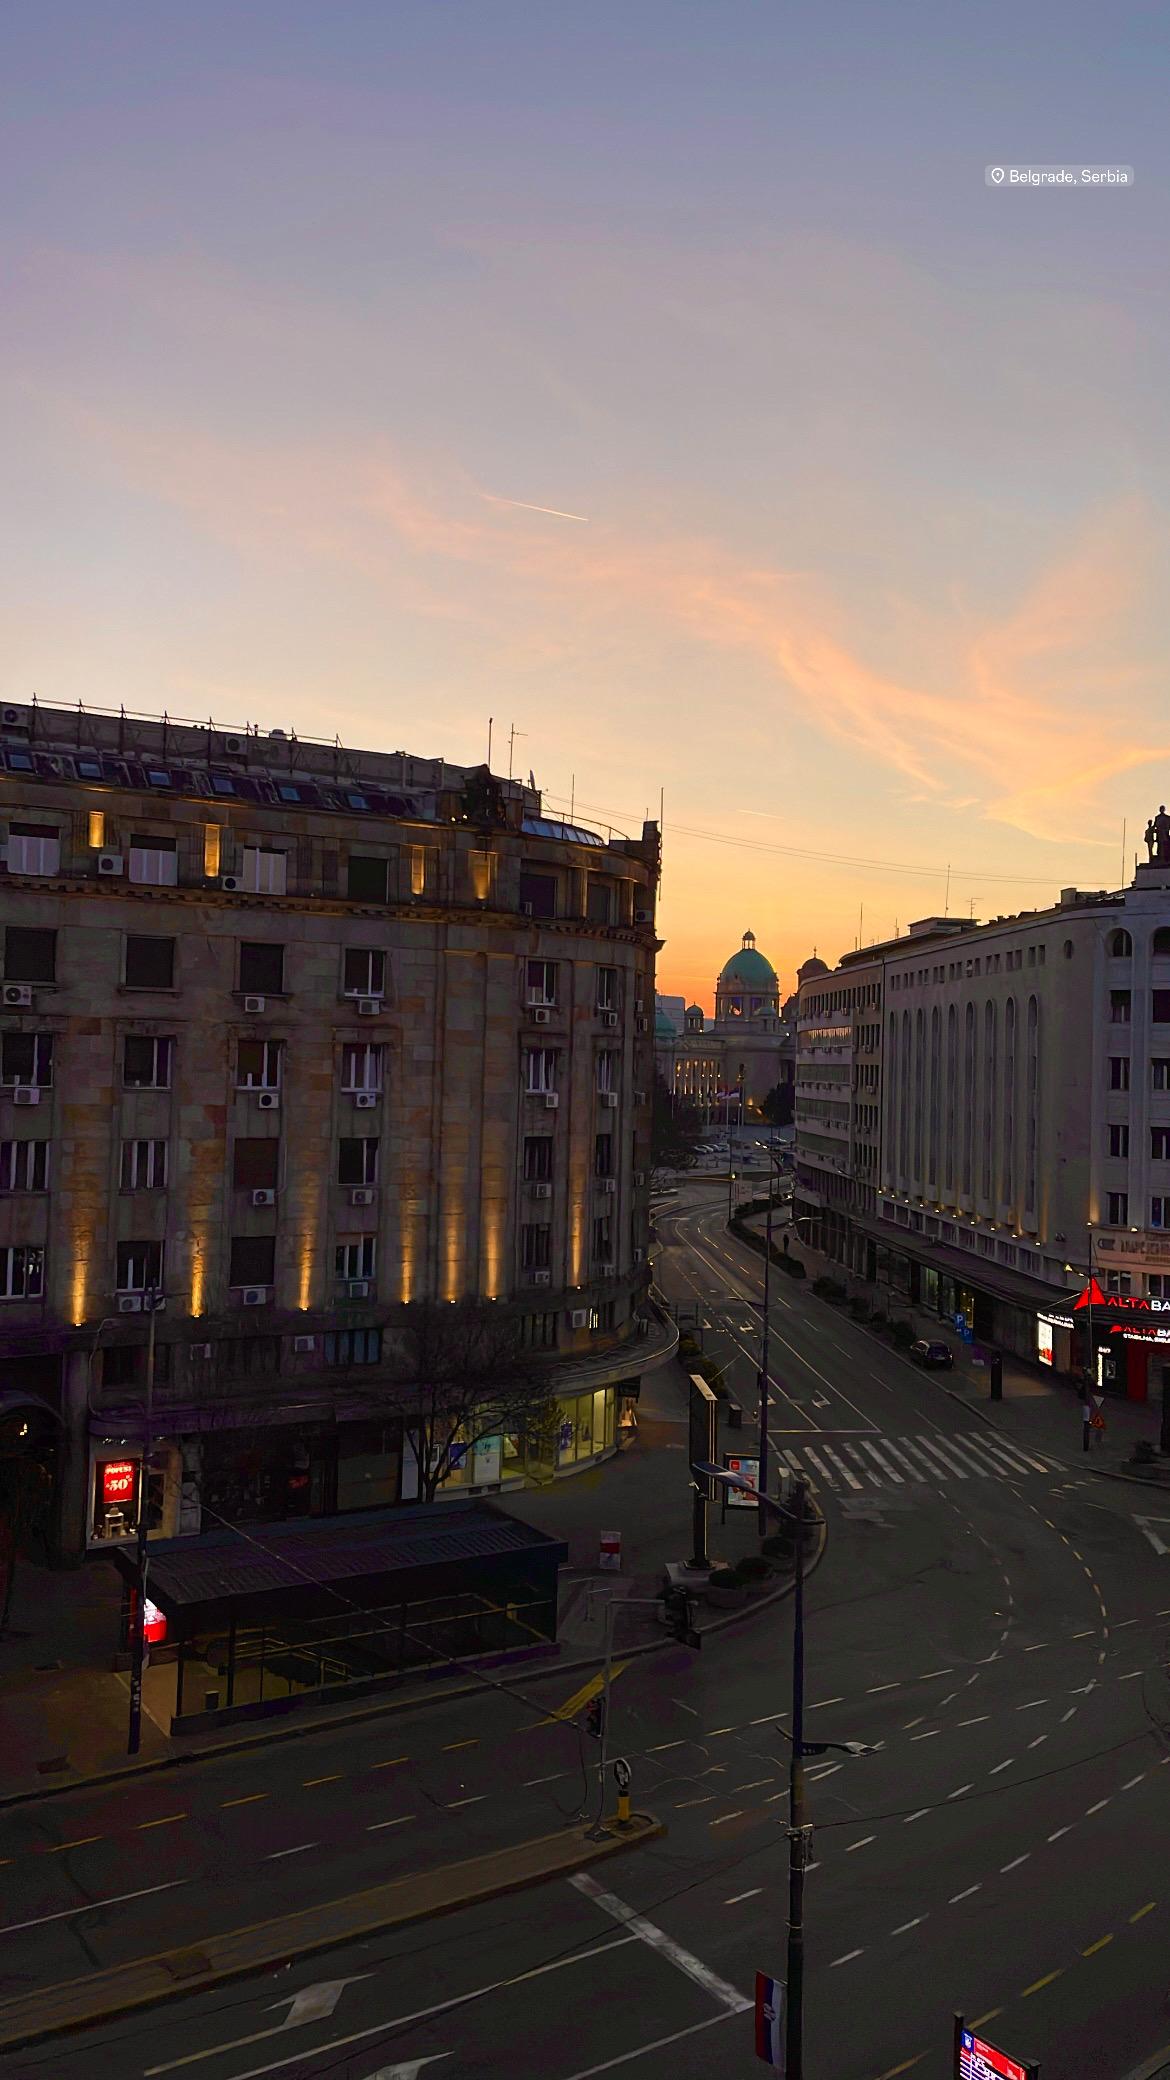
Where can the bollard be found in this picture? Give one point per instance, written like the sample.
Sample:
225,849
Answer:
623,1811
734,1416
997,1379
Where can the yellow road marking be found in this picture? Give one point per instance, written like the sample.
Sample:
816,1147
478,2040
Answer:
1098,1945
307,1783
448,1746
59,1848
393,1762
582,1697
166,1821
1142,1912
981,2020
892,2072
249,1801
1046,1981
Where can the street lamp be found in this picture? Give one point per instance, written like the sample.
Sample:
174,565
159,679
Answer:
798,1831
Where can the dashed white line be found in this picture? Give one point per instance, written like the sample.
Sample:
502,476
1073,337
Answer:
931,1736
755,1784
1134,1780
980,1721
1032,1704
821,1701
1001,1765
529,1782
919,1815
1057,1832
864,1843
724,1817
275,1854
453,1804
957,1896
737,1896
659,1748
1014,1865
905,1925
376,1826
963,1788
1132,1676
847,1959
873,1691
1098,1808
1040,1738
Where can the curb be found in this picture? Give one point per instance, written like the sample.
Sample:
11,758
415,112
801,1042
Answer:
1154,2067
302,1730
173,1974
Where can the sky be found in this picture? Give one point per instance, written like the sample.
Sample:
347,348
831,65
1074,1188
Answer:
868,459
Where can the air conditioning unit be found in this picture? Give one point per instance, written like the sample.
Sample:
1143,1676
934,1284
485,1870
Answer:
542,1278
269,1101
304,1343
643,917
357,1289
607,1269
540,1191
609,1018
607,1186
12,718
608,1098
364,1101
110,863
362,1195
129,1303
255,1296
234,746
551,1100
254,1003
639,1097
230,883
17,996
540,1014
26,1094
638,1255
369,1007
579,1318
264,1196
639,1179
642,1025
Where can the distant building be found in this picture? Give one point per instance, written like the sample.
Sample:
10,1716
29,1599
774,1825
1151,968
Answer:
727,1068
672,1011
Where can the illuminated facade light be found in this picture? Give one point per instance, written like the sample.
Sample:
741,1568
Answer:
212,843
97,829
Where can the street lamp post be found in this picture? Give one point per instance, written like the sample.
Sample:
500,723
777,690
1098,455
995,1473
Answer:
154,1302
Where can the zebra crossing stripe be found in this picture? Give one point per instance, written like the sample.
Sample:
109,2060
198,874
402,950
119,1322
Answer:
857,1452
953,1453
913,1449
842,1468
890,1473
826,1477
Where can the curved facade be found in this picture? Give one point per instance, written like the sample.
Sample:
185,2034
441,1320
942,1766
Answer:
300,1037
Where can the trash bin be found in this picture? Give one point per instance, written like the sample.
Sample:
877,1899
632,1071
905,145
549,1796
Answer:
734,1416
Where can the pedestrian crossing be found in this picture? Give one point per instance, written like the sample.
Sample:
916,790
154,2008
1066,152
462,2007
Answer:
847,1466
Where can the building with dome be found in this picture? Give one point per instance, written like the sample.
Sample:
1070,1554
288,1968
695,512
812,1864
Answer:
728,1065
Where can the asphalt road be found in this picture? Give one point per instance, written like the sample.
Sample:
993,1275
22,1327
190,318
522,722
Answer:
993,1623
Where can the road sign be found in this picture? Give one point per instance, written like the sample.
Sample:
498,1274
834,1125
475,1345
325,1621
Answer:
748,1470
770,2020
1096,1420
621,1772
976,2059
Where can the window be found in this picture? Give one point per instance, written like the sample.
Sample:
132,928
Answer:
364,973
262,968
1121,946
542,982
367,880
1119,1141
538,1332
599,901
535,1246
1118,1282
361,1066
29,956
1160,943
357,1161
24,1166
1119,1007
603,1155
538,1158
146,1063
1160,1073
265,872
256,1163
607,989
140,1267
1119,1072
1118,1213
540,1069
22,1273
154,859
258,1065
150,963
353,1347
1160,1211
27,1058
144,1166
602,1239
33,848
252,1357
253,1260
1158,1286
1160,1006
1160,1144
607,1069
538,895
355,1258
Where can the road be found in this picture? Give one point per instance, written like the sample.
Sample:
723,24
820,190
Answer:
991,1622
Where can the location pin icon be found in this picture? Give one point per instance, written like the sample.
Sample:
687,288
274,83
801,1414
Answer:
997,174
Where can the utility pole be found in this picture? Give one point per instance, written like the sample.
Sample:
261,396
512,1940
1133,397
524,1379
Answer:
764,1366
797,1831
154,1303
1090,1361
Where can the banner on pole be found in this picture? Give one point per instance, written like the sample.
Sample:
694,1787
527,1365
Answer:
770,2020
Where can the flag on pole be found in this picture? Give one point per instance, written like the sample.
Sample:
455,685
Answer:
770,2020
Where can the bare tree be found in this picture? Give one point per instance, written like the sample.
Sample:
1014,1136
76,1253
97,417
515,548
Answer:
459,1374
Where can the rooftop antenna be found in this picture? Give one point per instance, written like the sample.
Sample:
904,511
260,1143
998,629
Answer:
971,908
947,897
1123,821
572,795
491,719
513,733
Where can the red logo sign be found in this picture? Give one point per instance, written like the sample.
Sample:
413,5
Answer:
119,1480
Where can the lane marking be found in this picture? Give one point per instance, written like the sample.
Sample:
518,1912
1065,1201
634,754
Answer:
754,1785
1098,1808
624,2057
919,1815
737,1896
1001,1765
981,2020
576,1702
684,1803
961,1790
957,1896
393,1762
307,1783
1015,1864
1143,1911
1058,1831
1140,1778
167,1820
737,1814
453,1804
657,1939
92,1906
658,1749
529,1782
252,1799
864,1843
1093,1948
449,1747
276,1854
82,1842
847,1959
904,1926
1046,1981
980,1721
376,1826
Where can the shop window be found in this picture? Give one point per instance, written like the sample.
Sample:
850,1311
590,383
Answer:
124,1364
250,1357
24,1166
364,973
29,956
33,848
256,1164
1158,1286
146,1062
367,880
1118,1209
140,1267
1118,1282
261,968
253,1260
357,1161
154,860
150,963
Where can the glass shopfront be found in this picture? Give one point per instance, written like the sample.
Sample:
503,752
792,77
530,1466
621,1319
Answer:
114,1472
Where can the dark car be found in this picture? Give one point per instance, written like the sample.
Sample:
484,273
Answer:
932,1355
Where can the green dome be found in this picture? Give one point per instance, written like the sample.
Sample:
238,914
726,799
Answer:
664,1027
748,970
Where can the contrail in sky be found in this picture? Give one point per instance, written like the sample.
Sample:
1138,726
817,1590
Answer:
554,511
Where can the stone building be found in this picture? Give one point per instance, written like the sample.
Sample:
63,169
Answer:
728,1067
299,1036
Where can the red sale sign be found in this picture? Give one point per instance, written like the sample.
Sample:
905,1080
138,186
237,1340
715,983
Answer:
119,1480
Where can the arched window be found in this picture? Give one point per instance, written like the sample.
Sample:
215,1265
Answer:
1121,945
1160,943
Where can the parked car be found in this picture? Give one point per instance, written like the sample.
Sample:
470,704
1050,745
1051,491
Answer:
935,1356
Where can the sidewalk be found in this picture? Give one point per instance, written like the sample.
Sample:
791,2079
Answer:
1038,1408
64,1707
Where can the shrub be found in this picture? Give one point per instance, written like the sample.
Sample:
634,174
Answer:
723,1578
753,1568
860,1309
778,1545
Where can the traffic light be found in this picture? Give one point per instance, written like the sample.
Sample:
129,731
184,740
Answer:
677,1608
595,1717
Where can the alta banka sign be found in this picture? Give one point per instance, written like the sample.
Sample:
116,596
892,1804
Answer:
1129,1315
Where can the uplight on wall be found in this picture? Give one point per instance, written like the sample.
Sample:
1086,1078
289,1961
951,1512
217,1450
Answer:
97,829
212,842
